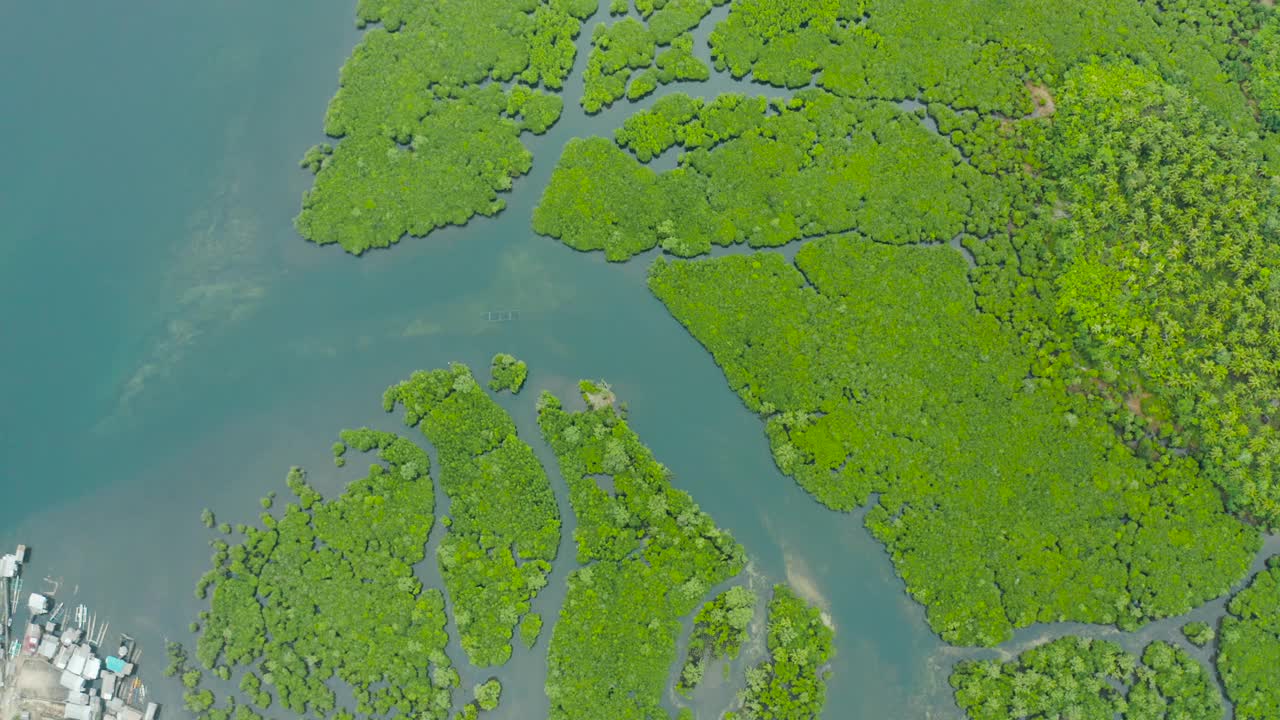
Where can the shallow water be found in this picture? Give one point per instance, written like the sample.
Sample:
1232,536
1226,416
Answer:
170,344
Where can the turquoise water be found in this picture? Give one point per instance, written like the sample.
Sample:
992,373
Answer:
169,344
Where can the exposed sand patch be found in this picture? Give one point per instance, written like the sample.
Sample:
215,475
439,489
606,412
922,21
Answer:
800,577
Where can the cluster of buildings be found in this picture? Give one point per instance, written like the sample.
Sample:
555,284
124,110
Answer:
96,688
55,672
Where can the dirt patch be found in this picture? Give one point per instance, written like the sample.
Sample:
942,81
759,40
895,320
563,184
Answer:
32,686
1043,99
1133,401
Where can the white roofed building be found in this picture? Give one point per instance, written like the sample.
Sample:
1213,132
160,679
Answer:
48,646
79,659
71,681
63,657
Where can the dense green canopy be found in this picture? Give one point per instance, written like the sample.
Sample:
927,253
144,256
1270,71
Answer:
1088,680
980,54
327,591
1249,655
764,173
790,684
1171,268
719,629
1004,500
425,139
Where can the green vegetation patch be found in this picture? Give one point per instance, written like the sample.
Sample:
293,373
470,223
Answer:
1083,678
626,59
373,188
327,591
821,165
488,693
980,54
1198,633
678,63
650,553
617,50
719,629
424,141
1249,650
1003,499
791,684
507,373
1264,75
530,629
505,525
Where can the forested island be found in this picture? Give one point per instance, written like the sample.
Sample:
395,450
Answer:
1012,287
650,554
504,526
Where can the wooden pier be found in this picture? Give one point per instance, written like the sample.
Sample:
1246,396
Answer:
6,616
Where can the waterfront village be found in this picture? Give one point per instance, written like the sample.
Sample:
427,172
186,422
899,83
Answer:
56,669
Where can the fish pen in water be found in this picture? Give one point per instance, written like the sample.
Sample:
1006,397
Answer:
502,315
